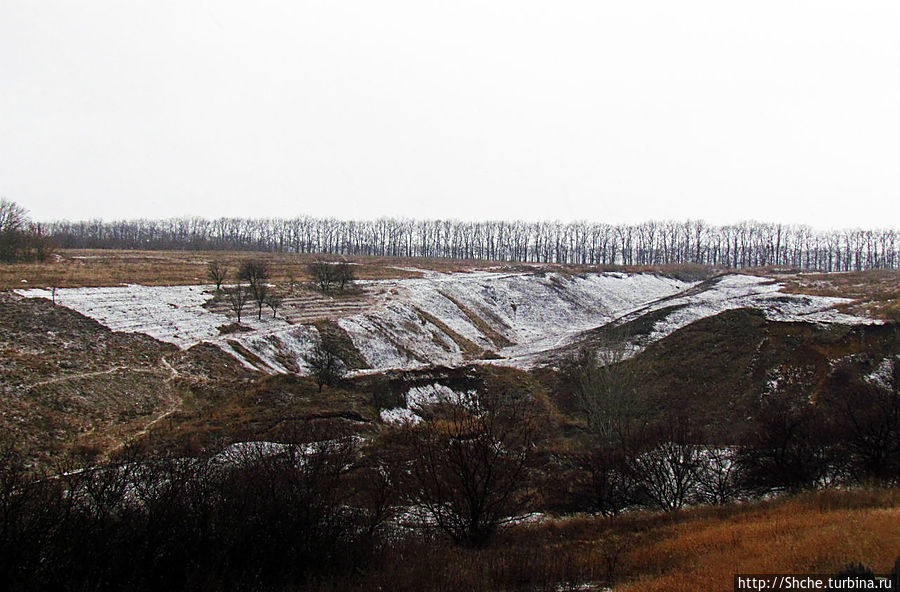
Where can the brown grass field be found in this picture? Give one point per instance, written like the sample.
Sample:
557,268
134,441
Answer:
698,549
74,268
816,533
78,268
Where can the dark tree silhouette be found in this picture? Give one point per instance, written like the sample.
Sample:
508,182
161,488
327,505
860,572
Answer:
238,295
692,243
322,274
256,273
217,272
324,365
20,239
469,467
274,301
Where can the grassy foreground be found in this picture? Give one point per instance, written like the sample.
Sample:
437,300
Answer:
815,533
695,549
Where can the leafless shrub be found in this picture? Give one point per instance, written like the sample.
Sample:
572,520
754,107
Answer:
238,295
217,272
469,467
256,273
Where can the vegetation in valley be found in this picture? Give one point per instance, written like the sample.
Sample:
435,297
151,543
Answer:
734,444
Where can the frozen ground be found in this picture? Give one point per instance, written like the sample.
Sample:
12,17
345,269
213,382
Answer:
508,315
169,313
445,319
743,291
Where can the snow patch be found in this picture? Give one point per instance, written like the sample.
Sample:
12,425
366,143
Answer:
883,376
420,397
743,291
174,314
399,416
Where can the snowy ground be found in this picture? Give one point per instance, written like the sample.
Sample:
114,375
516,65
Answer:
523,313
743,291
446,319
420,397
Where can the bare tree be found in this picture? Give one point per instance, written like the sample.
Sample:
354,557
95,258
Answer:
237,297
788,447
19,238
667,469
746,244
343,275
325,366
256,273
273,301
322,274
863,405
217,272
468,468
717,475
13,217
610,486
605,385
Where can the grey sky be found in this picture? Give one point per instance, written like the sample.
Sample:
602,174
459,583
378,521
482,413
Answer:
613,111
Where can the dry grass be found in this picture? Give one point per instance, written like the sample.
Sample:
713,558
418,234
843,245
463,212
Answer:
80,267
73,268
813,534
696,549
876,293
470,350
496,338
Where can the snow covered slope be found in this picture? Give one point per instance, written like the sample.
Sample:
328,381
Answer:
445,319
744,291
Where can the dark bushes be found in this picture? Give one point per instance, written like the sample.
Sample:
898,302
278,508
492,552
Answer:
262,518
20,239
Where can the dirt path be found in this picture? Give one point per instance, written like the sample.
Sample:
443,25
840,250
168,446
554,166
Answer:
84,375
173,404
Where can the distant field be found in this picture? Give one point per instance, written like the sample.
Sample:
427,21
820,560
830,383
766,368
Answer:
75,268
79,268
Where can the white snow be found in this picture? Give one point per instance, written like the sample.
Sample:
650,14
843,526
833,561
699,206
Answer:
517,316
743,291
169,313
532,312
241,452
419,397
399,416
175,314
883,375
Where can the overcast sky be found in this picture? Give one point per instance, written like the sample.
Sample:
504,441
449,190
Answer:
611,111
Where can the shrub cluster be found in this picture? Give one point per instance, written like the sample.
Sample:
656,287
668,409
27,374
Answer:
20,239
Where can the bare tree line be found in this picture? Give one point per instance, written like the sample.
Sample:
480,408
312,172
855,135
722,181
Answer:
747,244
20,238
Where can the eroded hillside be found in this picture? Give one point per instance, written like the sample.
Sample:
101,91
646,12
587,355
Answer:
442,319
70,384
110,364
